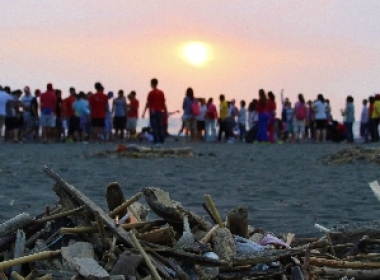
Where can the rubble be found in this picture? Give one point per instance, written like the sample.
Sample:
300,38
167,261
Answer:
77,239
352,154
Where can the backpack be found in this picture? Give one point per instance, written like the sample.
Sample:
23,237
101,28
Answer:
300,112
195,109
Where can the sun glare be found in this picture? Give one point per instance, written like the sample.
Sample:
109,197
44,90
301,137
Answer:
196,53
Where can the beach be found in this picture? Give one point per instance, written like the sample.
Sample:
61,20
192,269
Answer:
284,186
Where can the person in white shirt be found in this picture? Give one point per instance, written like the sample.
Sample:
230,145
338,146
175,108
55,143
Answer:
242,120
4,97
364,121
321,108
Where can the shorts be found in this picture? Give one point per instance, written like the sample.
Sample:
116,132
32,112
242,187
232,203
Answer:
119,122
28,122
201,125
299,126
74,125
98,122
47,120
191,124
131,123
320,124
11,123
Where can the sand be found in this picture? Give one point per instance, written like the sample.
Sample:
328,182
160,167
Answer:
284,187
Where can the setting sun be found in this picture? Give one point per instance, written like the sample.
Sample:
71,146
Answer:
196,53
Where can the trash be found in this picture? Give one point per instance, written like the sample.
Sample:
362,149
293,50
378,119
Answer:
77,239
350,155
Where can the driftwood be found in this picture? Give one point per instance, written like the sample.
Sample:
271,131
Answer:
145,256
19,248
126,265
30,258
92,207
171,210
262,257
59,215
237,221
343,264
357,274
122,209
214,212
12,225
164,236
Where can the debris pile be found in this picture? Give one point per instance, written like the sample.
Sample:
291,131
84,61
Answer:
350,155
137,151
76,239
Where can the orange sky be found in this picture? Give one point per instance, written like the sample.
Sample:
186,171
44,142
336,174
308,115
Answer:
329,47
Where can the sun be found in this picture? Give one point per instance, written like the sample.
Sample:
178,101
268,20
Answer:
196,53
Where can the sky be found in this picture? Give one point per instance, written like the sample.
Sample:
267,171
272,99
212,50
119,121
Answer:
309,47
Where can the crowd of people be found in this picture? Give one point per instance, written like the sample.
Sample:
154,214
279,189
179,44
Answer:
96,116
264,121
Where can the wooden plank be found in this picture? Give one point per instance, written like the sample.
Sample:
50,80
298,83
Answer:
82,199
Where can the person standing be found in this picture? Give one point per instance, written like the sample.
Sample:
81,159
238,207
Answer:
223,116
98,107
132,115
26,100
81,118
242,120
157,109
69,115
119,110
364,120
321,109
272,107
349,114
262,110
188,115
211,117
300,116
47,119
375,117
4,98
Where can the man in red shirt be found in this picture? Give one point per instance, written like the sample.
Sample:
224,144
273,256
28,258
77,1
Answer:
157,109
98,105
48,101
133,111
68,112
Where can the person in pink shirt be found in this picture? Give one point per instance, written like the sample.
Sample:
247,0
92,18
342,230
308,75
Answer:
48,101
211,117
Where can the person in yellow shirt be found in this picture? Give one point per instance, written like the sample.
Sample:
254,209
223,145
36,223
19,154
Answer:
375,118
223,113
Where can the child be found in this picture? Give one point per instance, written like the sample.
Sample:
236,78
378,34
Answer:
288,123
242,119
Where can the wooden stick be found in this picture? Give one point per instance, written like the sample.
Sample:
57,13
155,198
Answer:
32,275
46,277
94,229
290,238
125,205
204,205
30,258
3,276
92,207
16,276
343,264
102,232
213,210
144,255
59,215
207,237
